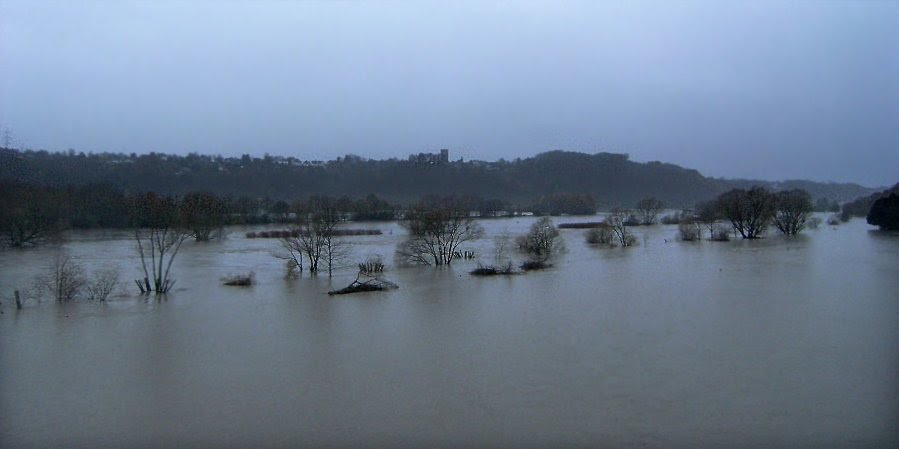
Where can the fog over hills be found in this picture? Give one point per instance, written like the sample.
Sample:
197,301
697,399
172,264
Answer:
763,89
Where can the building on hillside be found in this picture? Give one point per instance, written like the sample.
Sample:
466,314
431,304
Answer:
430,158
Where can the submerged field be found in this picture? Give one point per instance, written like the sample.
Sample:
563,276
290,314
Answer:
780,342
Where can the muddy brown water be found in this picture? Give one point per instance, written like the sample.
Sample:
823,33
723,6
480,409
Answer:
781,342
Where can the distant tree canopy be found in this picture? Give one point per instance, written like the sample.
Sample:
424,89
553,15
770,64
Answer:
749,211
885,213
826,205
608,177
30,215
860,207
648,210
793,208
202,213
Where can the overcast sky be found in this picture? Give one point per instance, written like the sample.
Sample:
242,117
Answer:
735,89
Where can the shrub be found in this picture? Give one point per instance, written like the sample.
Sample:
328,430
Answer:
542,241
492,270
813,223
240,280
720,234
670,219
371,265
102,284
632,220
689,231
586,225
531,265
64,280
601,235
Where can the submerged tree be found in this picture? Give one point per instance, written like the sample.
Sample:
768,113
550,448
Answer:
315,237
102,284
30,215
648,210
749,211
885,213
203,214
159,235
794,207
618,223
708,214
64,279
436,229
542,240
613,231
689,230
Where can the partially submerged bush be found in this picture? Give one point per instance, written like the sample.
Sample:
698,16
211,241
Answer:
542,241
102,284
531,265
501,263
670,219
614,231
372,265
813,223
632,220
64,279
493,270
585,225
835,220
720,234
288,233
365,283
689,231
600,235
240,280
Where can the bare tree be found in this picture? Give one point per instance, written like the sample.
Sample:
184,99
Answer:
542,240
648,210
159,236
501,263
311,244
315,237
373,265
367,280
102,284
64,280
30,215
436,229
708,214
689,230
335,250
617,221
292,255
749,211
794,207
501,244
203,215
601,235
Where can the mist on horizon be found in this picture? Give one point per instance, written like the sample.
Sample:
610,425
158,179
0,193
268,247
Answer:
763,90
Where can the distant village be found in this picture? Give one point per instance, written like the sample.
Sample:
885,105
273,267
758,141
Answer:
440,158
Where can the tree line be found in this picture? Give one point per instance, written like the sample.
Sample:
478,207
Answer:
31,214
613,179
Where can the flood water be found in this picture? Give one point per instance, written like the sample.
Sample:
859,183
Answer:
781,342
